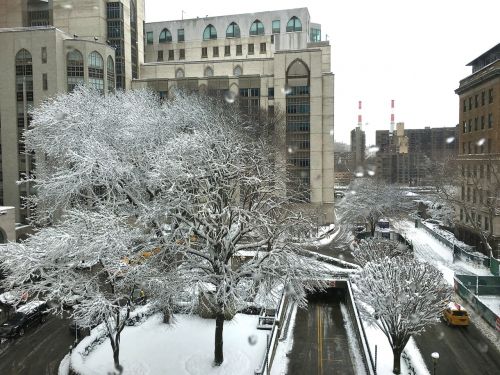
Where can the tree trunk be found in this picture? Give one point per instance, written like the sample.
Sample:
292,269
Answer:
219,326
116,357
396,369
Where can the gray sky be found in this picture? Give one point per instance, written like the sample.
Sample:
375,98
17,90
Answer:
412,51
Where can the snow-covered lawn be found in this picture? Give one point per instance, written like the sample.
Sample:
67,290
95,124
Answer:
185,347
493,303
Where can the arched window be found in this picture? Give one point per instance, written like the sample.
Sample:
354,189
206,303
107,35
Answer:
111,74
209,33
179,73
165,36
293,25
209,72
237,71
233,30
74,68
257,28
96,71
24,83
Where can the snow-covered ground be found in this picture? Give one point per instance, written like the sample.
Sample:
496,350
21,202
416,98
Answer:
431,250
185,347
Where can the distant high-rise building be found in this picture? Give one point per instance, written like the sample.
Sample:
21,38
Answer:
358,149
405,156
479,152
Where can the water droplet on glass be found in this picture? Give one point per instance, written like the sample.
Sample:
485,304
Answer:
290,150
450,139
371,173
483,348
61,116
353,192
373,149
331,132
287,90
318,177
229,97
252,339
481,142
67,6
440,335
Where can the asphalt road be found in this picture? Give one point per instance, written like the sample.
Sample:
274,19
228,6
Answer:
320,339
39,351
462,351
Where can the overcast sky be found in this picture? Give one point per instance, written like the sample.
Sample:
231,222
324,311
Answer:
412,51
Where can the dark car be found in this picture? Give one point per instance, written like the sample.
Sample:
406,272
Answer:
27,316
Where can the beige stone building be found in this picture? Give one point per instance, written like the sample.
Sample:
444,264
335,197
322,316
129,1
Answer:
270,60
47,48
478,213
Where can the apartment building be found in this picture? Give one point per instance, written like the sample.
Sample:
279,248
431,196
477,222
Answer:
272,61
479,152
47,48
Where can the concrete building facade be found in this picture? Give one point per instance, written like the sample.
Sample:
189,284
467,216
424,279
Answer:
273,61
479,152
47,48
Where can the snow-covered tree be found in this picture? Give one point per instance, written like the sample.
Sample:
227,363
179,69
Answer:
190,182
402,297
472,186
372,250
369,199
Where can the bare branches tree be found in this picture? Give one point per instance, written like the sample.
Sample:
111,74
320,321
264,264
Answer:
401,296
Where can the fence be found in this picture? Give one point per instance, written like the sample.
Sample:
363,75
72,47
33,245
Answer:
495,266
471,288
458,252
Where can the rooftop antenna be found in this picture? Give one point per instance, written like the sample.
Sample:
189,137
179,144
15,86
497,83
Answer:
391,129
182,14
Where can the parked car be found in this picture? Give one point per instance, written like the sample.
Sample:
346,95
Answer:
78,330
456,315
27,316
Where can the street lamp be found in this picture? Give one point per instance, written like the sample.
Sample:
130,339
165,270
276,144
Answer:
435,358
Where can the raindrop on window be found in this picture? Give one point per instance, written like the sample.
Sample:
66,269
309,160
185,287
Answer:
252,340
481,142
229,97
450,139
287,90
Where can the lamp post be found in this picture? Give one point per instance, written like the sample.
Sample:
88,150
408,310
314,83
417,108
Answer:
435,358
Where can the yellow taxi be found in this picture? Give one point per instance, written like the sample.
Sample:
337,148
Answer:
456,315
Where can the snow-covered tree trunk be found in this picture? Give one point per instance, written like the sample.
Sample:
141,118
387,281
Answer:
219,340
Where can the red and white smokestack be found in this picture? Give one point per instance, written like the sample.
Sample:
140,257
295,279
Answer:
392,117
360,118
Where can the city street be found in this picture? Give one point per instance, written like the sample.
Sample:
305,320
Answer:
321,343
39,351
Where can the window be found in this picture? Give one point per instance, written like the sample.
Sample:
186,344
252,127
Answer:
44,55
490,96
470,125
215,52
270,92
464,124
74,69
44,81
204,52
470,103
486,223
237,71
489,145
96,71
160,55
490,120
209,72
250,49
461,214
227,50
182,54
209,33
170,55
263,48
276,27
476,101
180,35
257,28
179,73
165,36
239,50
482,122
233,30
465,105
111,74
481,171
149,37
475,123
293,25
483,97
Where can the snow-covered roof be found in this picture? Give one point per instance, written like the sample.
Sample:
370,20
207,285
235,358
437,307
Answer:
30,306
455,306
